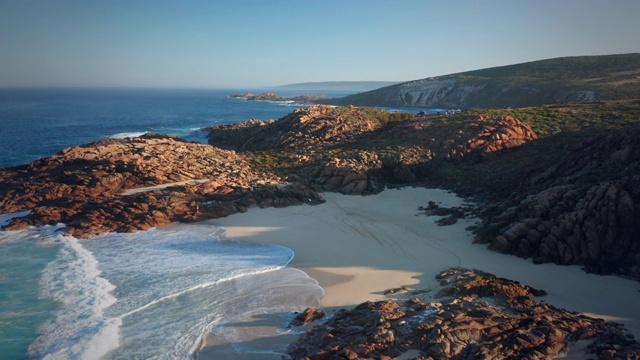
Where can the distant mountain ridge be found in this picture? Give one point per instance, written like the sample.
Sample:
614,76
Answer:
339,85
559,80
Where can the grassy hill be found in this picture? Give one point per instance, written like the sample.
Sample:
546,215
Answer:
567,79
338,85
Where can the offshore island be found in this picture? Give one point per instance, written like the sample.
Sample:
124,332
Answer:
546,155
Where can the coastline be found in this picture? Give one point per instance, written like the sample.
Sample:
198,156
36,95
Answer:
358,247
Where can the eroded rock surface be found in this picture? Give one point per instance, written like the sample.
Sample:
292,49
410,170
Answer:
85,187
479,316
359,151
583,210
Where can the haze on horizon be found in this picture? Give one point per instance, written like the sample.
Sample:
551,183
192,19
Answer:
254,43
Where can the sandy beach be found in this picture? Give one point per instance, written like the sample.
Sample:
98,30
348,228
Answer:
358,247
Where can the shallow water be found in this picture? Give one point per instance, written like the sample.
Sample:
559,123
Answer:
146,295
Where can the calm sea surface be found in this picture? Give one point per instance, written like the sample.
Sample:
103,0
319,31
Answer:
146,295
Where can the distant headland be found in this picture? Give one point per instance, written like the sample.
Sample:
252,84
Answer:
299,99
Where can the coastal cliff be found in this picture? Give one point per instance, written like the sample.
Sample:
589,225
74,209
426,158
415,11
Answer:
536,83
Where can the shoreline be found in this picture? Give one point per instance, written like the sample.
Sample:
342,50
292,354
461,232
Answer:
357,247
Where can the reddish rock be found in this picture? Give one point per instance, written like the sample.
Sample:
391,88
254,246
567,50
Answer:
83,187
479,316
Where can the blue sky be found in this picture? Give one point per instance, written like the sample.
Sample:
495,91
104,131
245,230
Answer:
255,43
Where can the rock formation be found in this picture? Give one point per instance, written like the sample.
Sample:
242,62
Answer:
86,187
477,316
584,210
298,99
359,151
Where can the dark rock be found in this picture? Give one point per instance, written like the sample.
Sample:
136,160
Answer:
585,210
308,315
479,316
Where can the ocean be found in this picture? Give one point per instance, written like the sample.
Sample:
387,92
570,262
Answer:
148,295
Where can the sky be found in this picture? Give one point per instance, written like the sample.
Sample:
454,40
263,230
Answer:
261,43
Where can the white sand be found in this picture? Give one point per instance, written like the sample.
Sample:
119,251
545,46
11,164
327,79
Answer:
357,247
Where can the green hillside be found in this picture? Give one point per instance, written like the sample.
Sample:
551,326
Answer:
607,77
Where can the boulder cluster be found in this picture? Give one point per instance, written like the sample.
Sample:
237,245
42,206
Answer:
477,316
361,150
583,210
92,188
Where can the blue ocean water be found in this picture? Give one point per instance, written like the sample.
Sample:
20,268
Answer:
36,123
149,295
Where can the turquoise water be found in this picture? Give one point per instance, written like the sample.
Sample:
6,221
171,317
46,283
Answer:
23,256
148,295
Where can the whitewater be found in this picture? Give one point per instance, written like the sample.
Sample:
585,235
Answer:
152,294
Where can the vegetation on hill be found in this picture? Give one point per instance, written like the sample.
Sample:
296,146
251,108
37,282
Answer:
607,77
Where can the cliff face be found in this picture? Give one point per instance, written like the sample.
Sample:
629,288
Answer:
529,84
456,92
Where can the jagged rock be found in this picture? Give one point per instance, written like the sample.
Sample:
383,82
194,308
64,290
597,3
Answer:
308,315
584,210
479,316
84,186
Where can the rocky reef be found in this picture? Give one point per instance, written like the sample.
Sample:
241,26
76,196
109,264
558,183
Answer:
475,316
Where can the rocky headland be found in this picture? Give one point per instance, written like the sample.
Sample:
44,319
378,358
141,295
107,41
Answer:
553,188
299,99
361,150
554,199
89,188
551,81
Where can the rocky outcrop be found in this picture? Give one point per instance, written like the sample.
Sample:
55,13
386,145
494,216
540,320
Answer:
298,99
478,316
359,151
584,210
466,137
307,316
316,149
357,176
304,130
86,187
257,97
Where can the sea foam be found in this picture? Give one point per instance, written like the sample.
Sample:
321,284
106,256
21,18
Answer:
127,135
154,294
